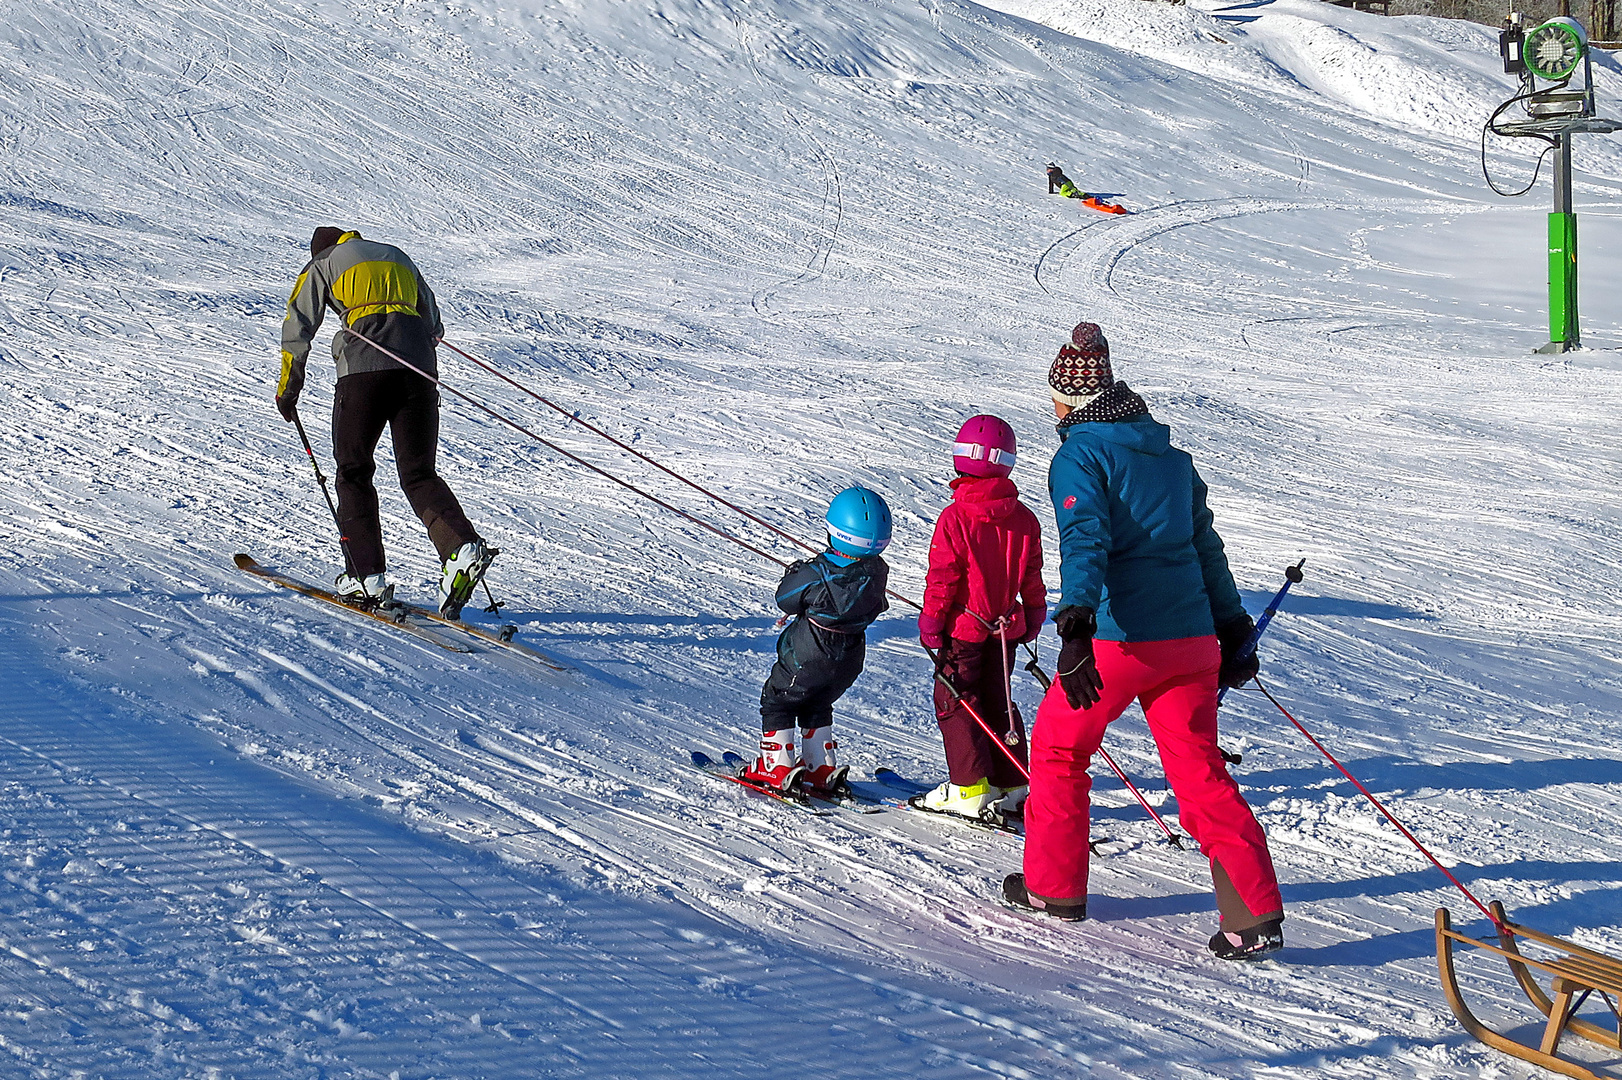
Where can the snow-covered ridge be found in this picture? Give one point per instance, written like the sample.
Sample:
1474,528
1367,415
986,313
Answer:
1413,71
783,247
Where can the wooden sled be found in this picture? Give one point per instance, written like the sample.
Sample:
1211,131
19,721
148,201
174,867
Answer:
1576,976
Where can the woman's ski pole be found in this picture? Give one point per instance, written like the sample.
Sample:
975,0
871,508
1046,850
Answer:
1292,575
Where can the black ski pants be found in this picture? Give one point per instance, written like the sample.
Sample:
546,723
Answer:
804,695
408,405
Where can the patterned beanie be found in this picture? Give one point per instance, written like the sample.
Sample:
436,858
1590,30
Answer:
1081,371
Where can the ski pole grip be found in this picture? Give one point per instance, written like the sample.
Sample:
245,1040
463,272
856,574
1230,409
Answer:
1292,574
935,659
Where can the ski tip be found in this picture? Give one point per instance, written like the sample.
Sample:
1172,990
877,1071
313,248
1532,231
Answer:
244,561
701,759
730,758
890,778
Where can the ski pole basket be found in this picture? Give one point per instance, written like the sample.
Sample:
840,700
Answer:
1574,977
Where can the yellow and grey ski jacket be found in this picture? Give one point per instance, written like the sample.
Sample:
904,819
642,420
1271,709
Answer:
377,290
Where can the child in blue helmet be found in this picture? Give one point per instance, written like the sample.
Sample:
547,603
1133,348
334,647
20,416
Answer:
830,600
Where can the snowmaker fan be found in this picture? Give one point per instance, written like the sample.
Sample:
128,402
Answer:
1553,50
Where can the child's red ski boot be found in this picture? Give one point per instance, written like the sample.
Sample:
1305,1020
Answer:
778,766
823,774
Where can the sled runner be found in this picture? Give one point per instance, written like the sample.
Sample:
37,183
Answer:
1575,977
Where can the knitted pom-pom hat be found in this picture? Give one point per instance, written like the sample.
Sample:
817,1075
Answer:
1081,371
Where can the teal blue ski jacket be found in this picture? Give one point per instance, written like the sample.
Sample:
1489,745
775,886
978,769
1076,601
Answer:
1136,543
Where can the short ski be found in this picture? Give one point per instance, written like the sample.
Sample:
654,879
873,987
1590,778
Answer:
891,778
915,801
708,765
394,616
996,824
847,798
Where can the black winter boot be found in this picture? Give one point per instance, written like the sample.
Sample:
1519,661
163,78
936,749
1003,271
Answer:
1014,891
1252,944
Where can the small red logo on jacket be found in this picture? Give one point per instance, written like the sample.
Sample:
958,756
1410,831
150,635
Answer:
1070,503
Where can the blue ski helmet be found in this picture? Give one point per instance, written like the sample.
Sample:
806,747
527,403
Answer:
858,523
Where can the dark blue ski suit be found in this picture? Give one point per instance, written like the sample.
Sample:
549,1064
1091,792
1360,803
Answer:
833,600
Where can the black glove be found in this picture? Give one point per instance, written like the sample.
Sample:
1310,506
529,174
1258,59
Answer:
1078,671
287,405
1233,636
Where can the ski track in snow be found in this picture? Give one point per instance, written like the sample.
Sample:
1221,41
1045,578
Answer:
782,248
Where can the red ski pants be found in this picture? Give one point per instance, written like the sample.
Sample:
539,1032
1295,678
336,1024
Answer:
1176,682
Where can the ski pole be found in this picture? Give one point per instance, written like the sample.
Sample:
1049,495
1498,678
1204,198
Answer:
343,541
1292,574
1172,838
944,681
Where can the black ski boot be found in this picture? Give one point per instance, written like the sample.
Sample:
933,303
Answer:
1014,891
1252,944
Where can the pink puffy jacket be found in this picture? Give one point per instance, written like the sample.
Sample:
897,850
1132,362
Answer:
986,558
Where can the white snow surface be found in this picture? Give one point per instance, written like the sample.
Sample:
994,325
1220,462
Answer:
783,247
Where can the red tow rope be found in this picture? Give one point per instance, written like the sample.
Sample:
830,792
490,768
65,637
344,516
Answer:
702,490
555,448
1378,805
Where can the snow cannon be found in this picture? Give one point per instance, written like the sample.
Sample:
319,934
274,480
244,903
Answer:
1548,58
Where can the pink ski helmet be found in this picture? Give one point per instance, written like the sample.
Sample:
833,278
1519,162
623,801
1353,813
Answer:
985,447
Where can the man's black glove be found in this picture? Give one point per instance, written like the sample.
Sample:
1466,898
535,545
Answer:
1233,636
1078,672
287,405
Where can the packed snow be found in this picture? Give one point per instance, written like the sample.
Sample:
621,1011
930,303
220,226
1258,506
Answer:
782,247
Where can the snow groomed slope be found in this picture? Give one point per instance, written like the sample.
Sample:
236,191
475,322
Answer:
783,247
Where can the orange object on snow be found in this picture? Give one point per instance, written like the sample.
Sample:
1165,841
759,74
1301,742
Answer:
1103,207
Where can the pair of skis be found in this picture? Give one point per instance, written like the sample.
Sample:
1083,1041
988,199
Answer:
423,623
888,790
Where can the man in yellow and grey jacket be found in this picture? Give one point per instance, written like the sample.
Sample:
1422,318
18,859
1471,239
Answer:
385,307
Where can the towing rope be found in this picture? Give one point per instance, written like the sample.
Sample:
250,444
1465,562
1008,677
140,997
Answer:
1378,805
560,450
595,430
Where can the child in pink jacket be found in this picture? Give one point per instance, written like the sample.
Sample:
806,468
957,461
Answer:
983,596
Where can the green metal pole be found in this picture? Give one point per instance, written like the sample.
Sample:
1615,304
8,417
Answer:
1563,333
1563,282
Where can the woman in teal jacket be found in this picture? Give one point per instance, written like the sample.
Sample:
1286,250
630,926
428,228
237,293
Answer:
1148,613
